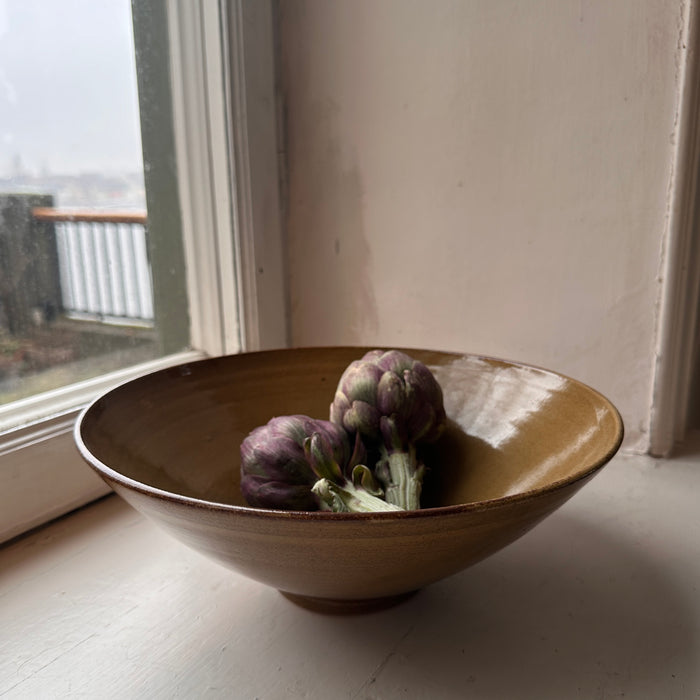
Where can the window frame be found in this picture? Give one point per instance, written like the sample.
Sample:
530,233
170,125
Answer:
224,196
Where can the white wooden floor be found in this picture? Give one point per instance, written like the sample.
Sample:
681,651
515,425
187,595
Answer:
602,600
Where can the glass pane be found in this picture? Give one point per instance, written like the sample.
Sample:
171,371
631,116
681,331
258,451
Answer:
77,262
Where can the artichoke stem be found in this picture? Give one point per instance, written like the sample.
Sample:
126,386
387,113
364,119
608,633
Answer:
348,498
402,478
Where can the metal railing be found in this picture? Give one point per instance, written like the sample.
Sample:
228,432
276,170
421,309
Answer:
104,270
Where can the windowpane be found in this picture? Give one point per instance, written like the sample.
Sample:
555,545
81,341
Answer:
80,273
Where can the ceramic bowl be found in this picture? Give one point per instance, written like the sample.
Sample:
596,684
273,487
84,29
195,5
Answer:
520,442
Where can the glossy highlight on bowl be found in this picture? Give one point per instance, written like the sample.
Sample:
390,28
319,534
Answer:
520,442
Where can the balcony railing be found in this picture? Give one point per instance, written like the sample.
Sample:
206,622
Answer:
103,264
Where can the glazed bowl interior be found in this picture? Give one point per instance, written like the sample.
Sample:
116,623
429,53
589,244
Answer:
512,429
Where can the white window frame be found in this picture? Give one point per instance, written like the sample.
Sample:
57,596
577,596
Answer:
224,114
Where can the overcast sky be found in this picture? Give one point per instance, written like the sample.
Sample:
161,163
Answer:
68,99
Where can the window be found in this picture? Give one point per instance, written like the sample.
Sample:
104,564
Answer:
75,290
206,89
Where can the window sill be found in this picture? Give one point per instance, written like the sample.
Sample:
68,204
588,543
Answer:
42,475
600,599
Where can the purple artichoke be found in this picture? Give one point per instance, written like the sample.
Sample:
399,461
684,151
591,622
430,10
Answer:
299,463
395,403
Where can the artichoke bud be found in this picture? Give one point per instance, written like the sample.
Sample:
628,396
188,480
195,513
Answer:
393,433
273,456
382,470
280,461
412,396
427,418
339,407
422,423
359,381
349,498
362,418
260,492
394,402
391,360
359,453
389,383
391,394
328,499
298,463
362,477
292,427
372,356
319,454
425,384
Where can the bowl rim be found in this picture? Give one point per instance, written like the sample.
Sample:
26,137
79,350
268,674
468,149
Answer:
114,477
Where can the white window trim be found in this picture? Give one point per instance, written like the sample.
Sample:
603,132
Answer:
676,350
225,123
226,142
41,473
255,155
202,155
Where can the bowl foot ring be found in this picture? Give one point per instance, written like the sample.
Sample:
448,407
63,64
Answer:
333,606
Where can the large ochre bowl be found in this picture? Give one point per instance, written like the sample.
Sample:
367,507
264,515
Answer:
520,442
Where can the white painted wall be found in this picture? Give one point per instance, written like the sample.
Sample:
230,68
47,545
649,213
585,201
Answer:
488,177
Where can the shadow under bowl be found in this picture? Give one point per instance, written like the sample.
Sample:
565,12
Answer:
520,441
